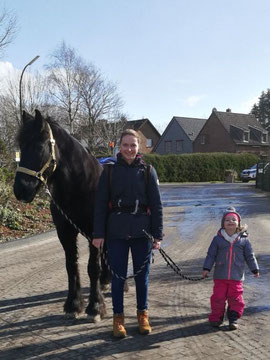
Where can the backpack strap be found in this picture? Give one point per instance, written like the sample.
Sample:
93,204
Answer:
108,171
146,174
146,181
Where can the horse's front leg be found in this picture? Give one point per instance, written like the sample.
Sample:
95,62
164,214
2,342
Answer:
74,302
96,308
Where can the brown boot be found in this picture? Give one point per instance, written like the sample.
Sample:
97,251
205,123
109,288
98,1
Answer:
118,326
144,326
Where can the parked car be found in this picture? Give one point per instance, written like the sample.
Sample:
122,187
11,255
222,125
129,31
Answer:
249,174
107,160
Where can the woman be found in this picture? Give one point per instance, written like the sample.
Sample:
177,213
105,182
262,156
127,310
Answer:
135,205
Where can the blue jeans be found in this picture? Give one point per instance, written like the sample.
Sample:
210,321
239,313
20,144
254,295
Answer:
118,250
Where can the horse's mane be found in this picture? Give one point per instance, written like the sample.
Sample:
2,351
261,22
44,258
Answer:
31,131
27,132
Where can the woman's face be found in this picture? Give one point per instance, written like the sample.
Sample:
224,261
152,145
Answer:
129,148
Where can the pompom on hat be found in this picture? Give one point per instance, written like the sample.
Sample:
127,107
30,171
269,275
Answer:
230,210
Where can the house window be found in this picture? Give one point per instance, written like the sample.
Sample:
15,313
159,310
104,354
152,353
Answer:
168,146
264,138
203,139
179,146
148,143
246,136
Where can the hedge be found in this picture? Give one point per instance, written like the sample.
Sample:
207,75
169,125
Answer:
199,167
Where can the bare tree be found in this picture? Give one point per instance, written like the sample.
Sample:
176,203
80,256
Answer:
108,132
9,120
36,92
81,91
100,104
34,89
8,28
64,82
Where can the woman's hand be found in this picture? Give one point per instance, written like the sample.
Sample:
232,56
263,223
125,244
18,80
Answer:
98,242
156,244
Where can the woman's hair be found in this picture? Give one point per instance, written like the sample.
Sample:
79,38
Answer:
130,132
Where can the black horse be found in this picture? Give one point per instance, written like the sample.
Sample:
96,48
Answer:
50,155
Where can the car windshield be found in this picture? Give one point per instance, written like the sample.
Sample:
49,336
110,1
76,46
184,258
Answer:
253,167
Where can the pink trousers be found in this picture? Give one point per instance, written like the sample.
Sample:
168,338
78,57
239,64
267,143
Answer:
230,291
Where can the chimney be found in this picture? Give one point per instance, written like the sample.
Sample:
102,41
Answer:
214,109
228,110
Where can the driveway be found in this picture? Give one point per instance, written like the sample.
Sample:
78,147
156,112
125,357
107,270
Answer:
33,286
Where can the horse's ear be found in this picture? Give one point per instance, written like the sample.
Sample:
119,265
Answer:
38,113
39,119
26,117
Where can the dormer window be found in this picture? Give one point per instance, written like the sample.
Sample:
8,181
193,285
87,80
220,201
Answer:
264,137
246,136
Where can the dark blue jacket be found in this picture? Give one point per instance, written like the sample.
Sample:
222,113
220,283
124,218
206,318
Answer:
128,185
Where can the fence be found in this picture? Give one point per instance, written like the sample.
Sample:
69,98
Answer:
263,175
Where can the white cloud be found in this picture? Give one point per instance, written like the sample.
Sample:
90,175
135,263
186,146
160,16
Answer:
193,100
7,72
6,69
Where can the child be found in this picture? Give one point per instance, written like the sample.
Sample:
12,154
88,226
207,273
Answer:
229,250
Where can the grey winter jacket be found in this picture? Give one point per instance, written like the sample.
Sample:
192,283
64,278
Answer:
230,258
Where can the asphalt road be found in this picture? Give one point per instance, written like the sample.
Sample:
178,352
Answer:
33,286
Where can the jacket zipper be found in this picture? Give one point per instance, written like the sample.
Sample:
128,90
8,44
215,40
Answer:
230,262
230,259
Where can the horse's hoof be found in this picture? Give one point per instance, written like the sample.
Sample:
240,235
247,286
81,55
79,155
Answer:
105,287
94,318
71,316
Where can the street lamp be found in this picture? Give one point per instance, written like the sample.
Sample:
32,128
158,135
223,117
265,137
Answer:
20,86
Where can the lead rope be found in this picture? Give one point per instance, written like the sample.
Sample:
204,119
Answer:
103,253
147,260
173,265
165,256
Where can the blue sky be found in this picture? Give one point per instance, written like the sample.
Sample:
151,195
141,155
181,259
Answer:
167,57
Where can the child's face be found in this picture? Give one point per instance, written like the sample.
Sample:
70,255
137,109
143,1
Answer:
231,223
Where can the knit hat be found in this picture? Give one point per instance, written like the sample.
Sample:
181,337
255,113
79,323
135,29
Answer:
230,210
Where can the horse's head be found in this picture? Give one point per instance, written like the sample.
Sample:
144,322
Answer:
36,146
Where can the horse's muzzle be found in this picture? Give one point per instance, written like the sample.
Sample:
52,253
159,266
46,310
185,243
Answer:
25,191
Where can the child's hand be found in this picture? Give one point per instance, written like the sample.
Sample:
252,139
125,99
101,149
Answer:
205,274
257,275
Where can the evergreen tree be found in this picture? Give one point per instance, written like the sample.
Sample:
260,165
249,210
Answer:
262,109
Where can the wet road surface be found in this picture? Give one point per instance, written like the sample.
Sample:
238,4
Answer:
33,289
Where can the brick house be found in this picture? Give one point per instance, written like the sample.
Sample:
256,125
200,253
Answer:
179,135
232,132
149,136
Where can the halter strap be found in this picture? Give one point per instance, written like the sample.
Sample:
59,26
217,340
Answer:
52,159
